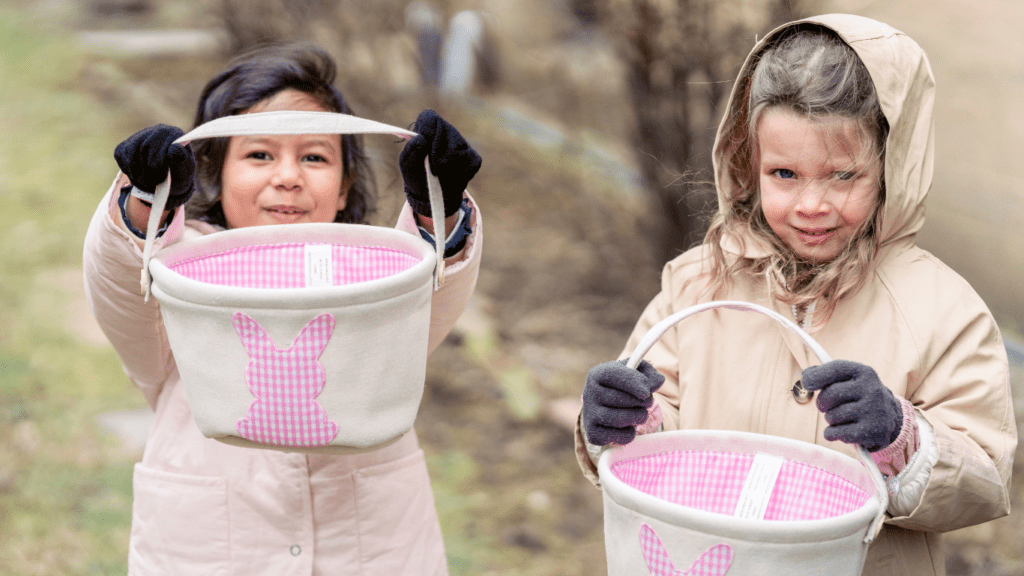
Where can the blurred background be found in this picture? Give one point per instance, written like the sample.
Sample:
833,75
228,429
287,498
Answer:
595,119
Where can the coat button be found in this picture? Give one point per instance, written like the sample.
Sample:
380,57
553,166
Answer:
801,394
296,550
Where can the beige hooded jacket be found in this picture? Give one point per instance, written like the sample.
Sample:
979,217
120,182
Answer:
205,508
922,328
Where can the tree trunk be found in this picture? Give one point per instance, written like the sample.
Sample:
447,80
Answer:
682,57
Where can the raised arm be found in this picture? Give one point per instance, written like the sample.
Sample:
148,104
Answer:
454,161
112,256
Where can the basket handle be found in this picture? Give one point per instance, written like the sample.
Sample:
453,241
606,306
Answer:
659,329
292,122
156,210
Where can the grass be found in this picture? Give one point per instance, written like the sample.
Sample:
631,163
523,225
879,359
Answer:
65,487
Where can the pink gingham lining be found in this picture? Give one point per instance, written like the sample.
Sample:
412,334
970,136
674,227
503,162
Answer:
285,383
712,481
283,265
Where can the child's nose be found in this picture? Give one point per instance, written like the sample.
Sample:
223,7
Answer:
813,199
287,174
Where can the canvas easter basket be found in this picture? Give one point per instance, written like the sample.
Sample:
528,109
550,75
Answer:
711,503
298,337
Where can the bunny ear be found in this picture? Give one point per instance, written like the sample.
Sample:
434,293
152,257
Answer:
315,335
716,561
655,554
253,335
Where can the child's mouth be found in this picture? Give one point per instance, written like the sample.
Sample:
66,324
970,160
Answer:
814,236
285,213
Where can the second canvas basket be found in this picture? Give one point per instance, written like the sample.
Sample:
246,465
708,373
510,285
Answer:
717,503
298,337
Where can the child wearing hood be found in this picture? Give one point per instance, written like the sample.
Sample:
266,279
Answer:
206,507
822,164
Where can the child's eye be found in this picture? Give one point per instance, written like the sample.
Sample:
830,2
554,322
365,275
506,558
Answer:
258,155
842,175
784,173
313,158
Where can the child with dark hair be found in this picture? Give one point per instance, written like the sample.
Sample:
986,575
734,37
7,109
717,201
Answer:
206,507
253,78
822,164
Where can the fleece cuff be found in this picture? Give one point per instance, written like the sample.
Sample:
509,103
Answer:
654,419
146,197
456,240
892,459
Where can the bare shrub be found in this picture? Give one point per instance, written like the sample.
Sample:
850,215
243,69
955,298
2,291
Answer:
681,59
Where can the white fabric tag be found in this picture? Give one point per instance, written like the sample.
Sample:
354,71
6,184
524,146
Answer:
758,487
319,265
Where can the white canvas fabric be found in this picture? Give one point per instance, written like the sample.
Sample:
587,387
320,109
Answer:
645,534
360,388
683,495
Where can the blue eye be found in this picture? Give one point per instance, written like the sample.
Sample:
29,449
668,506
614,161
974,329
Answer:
844,175
785,173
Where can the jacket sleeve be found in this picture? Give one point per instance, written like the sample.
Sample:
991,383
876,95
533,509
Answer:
962,390
460,276
112,264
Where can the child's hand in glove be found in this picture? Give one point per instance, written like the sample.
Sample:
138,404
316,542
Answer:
616,399
452,160
858,408
146,156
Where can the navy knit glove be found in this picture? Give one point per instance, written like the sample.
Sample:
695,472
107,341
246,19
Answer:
858,408
616,399
452,160
146,156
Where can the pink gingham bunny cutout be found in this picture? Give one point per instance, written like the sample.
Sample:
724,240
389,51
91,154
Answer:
286,383
716,561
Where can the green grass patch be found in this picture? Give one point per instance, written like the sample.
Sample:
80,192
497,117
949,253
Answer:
65,486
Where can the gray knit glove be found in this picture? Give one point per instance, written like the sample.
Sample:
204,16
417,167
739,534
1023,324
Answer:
616,399
857,406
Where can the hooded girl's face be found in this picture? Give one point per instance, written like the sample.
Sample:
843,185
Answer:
818,181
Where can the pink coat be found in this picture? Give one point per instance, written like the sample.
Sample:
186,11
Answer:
204,507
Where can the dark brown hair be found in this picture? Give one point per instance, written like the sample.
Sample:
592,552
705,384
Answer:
252,78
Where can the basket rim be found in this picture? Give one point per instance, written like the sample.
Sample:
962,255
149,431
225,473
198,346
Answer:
788,531
167,281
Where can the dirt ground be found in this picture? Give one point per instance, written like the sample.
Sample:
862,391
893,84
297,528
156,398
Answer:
566,272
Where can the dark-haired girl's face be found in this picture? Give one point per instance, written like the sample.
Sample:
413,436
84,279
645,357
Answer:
283,179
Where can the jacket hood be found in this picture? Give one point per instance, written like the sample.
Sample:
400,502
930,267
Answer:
905,86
